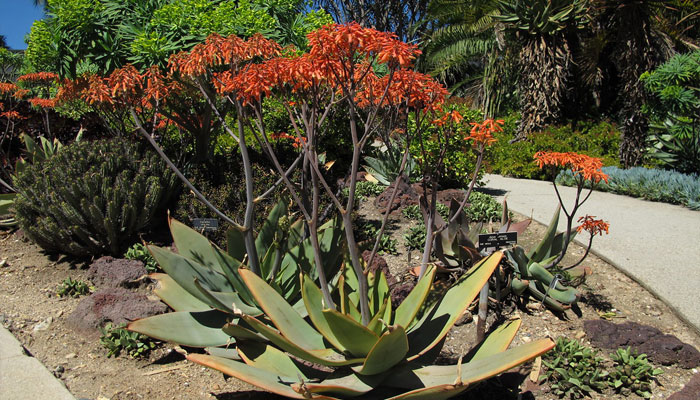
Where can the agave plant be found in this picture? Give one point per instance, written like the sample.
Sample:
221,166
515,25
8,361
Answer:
388,358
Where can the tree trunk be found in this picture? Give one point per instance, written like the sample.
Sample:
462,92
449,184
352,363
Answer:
544,63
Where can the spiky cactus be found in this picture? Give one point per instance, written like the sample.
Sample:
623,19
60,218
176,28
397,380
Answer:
92,198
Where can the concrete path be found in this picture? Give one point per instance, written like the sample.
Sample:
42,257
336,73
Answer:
23,377
657,244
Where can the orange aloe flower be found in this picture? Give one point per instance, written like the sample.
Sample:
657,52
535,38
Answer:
588,167
482,133
592,225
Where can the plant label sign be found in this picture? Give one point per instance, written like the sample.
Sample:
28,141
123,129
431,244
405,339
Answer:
497,240
205,224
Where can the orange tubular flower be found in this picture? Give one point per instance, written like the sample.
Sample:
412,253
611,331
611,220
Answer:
43,103
38,76
588,167
593,226
8,88
97,91
125,80
20,94
12,115
482,133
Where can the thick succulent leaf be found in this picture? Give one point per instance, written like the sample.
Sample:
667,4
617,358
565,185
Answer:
194,329
240,332
420,378
548,300
386,353
184,271
266,236
558,242
496,342
235,244
543,248
519,258
313,299
352,285
408,309
269,358
352,335
226,301
175,296
300,259
435,323
6,202
376,324
255,376
193,245
379,291
345,386
323,356
281,313
439,392
224,352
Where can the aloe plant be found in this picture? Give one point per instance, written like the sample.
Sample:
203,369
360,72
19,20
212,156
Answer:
202,283
390,357
531,275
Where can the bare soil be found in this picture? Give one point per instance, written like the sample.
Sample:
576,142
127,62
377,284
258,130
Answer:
31,310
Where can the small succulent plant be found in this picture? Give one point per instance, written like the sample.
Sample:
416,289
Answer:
633,373
415,238
116,339
139,252
73,288
574,370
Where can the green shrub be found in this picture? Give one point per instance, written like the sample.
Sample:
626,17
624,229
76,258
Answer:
139,252
117,339
650,184
73,288
674,112
92,198
459,160
574,370
597,139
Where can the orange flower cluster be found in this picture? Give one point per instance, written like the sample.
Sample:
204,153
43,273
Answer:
284,135
346,42
588,167
482,133
8,88
12,115
20,94
218,50
43,103
38,76
417,90
452,116
592,225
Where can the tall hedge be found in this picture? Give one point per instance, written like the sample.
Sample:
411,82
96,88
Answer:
92,198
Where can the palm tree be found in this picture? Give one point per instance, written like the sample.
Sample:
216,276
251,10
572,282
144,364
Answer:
545,58
3,43
465,50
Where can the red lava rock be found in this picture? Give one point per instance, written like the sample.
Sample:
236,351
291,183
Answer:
115,272
406,195
115,305
659,348
691,391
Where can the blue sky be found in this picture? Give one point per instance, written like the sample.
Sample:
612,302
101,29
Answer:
16,18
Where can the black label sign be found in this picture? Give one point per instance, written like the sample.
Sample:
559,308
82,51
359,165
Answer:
497,240
205,224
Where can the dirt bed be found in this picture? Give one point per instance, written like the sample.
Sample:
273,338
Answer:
31,310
